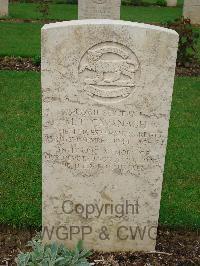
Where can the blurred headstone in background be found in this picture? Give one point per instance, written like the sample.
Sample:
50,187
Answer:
99,9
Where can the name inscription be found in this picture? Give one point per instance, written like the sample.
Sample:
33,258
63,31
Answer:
90,140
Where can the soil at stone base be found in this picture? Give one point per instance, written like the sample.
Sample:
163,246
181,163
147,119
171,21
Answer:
28,64
174,248
18,64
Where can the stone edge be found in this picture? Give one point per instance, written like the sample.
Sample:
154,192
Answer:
88,22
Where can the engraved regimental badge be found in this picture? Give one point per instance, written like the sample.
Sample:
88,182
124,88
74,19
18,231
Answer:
108,71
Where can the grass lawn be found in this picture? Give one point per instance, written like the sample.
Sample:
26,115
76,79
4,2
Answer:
20,161
151,14
179,2
20,157
19,39
180,197
23,39
70,12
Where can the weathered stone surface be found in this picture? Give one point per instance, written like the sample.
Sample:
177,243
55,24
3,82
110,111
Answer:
3,8
99,9
171,2
107,89
191,10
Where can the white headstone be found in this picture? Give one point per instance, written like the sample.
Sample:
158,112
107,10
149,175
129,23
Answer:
99,9
3,8
107,90
171,2
191,10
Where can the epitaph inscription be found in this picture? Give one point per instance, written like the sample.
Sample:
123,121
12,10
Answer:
99,9
106,106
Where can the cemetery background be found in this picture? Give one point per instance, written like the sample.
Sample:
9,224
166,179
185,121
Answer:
21,122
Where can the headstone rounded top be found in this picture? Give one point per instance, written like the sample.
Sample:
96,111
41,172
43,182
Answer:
103,22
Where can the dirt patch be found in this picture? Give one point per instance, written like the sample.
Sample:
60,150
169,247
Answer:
27,20
192,70
18,64
12,241
30,64
174,248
